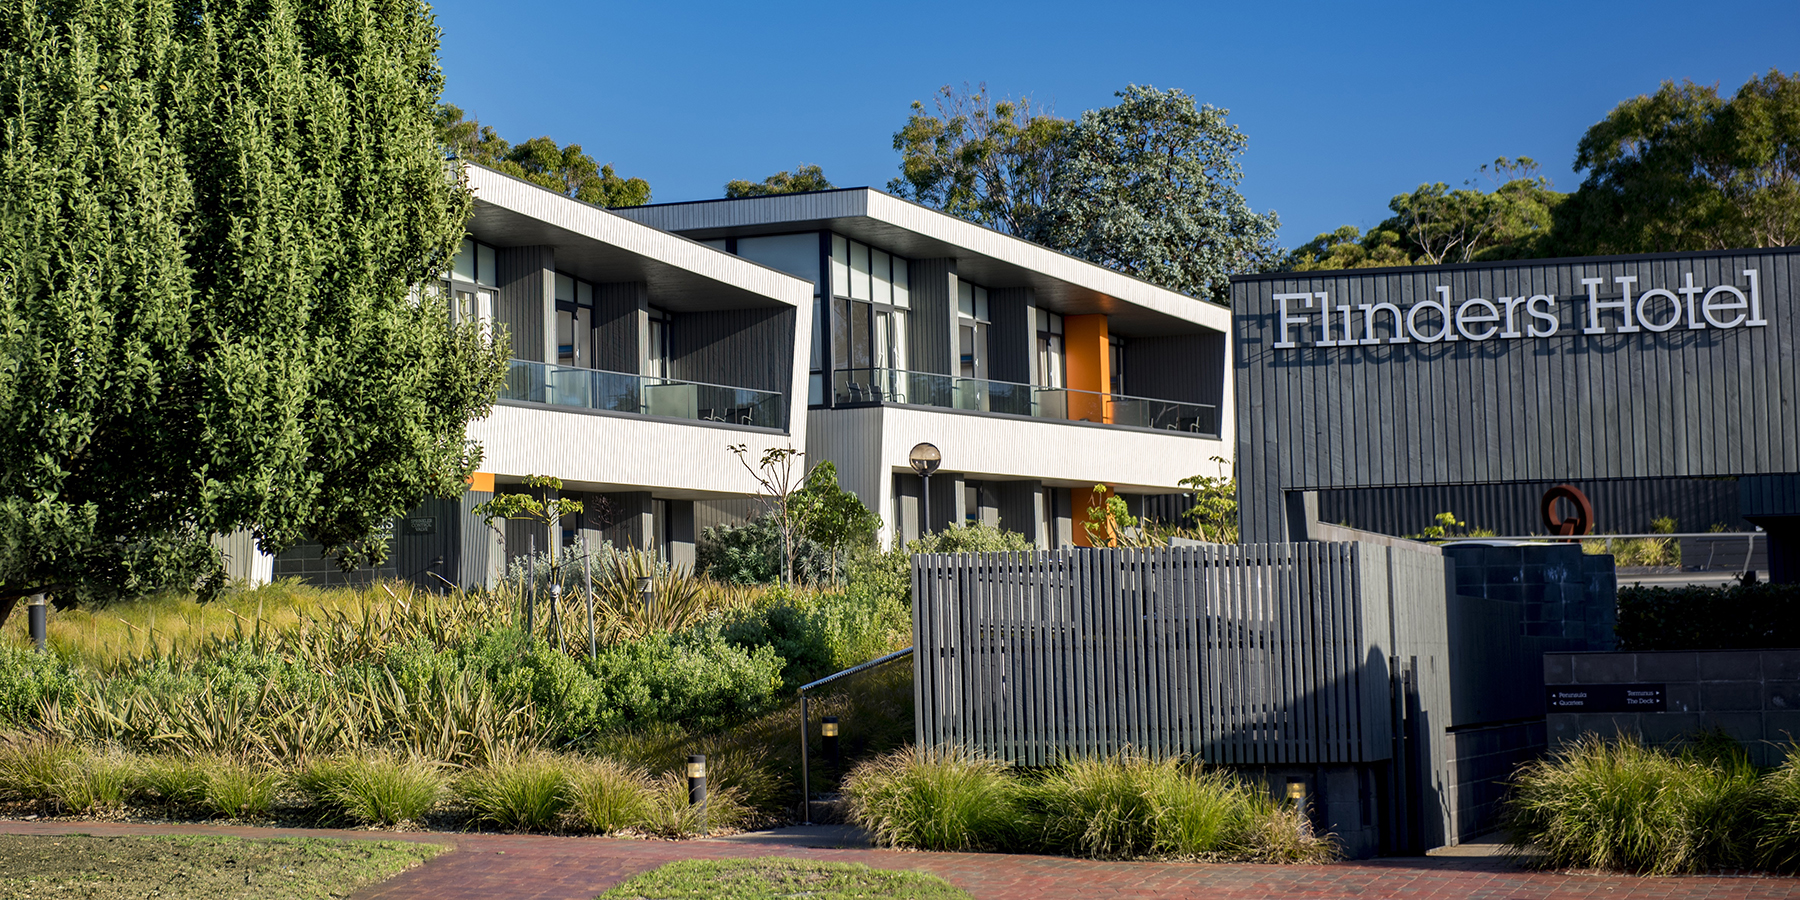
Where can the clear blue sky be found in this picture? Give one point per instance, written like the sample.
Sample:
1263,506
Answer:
1344,104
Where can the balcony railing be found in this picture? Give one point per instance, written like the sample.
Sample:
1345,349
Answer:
536,382
854,386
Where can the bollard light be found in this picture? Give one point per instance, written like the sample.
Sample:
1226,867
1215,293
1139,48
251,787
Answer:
1296,792
696,776
38,612
828,734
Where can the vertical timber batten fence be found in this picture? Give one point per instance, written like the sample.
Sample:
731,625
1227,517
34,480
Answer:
1237,654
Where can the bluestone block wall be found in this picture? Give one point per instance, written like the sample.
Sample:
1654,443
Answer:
1752,695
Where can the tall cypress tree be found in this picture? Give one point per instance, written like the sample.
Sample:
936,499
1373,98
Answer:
214,221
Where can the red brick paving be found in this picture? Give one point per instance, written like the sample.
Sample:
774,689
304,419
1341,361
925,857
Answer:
534,867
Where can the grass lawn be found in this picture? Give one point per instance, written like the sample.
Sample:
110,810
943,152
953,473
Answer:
771,877
115,868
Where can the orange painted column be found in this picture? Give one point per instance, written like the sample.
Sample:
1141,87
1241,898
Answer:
1087,361
1080,500
482,481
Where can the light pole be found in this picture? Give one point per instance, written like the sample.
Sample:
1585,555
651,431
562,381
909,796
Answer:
925,460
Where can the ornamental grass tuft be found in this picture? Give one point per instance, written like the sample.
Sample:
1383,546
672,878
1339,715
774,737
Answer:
375,789
1617,804
939,799
522,793
605,795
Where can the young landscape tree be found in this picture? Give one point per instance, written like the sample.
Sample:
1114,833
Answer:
214,222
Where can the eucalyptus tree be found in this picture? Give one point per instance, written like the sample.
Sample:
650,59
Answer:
215,221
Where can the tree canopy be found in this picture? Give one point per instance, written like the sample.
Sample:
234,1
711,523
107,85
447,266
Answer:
803,178
1147,186
1680,169
214,222
541,161
1437,224
1684,169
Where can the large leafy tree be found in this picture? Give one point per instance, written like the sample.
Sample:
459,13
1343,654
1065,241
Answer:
1149,187
1685,169
214,219
983,159
803,178
564,169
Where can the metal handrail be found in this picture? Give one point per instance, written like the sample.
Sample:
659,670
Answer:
1722,535
806,729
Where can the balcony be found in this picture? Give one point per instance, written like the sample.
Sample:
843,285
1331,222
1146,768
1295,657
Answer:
853,387
622,392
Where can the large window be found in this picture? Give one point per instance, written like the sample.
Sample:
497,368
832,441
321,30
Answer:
871,296
972,325
1049,349
470,285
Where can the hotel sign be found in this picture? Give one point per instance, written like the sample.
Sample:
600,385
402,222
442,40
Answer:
1626,307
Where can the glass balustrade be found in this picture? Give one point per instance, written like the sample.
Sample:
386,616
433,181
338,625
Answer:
855,386
536,382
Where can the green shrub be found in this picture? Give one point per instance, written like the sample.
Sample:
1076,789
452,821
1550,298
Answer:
1739,617
696,680
374,789
1620,805
940,799
605,795
239,790
751,553
529,793
28,680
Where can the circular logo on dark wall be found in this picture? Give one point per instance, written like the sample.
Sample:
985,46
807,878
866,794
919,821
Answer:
1582,522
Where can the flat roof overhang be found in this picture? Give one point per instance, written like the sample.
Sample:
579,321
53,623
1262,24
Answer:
602,247
1062,283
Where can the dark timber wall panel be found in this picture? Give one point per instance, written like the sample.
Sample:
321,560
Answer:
527,277
933,317
1012,336
752,348
620,323
1687,402
1186,367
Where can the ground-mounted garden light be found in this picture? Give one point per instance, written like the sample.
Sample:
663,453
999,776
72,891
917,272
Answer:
925,460
696,776
647,595
828,742
37,611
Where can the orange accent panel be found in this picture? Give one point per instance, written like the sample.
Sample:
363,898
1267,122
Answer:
1079,501
1087,359
482,481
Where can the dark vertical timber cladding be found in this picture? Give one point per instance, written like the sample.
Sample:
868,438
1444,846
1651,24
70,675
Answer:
620,325
1012,335
1185,367
930,323
1620,507
751,348
1683,403
523,281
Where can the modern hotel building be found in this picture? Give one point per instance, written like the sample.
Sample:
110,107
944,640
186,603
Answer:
848,324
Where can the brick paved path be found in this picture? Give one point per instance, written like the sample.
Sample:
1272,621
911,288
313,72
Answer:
532,867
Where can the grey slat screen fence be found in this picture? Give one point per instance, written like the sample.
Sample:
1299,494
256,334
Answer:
1243,654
